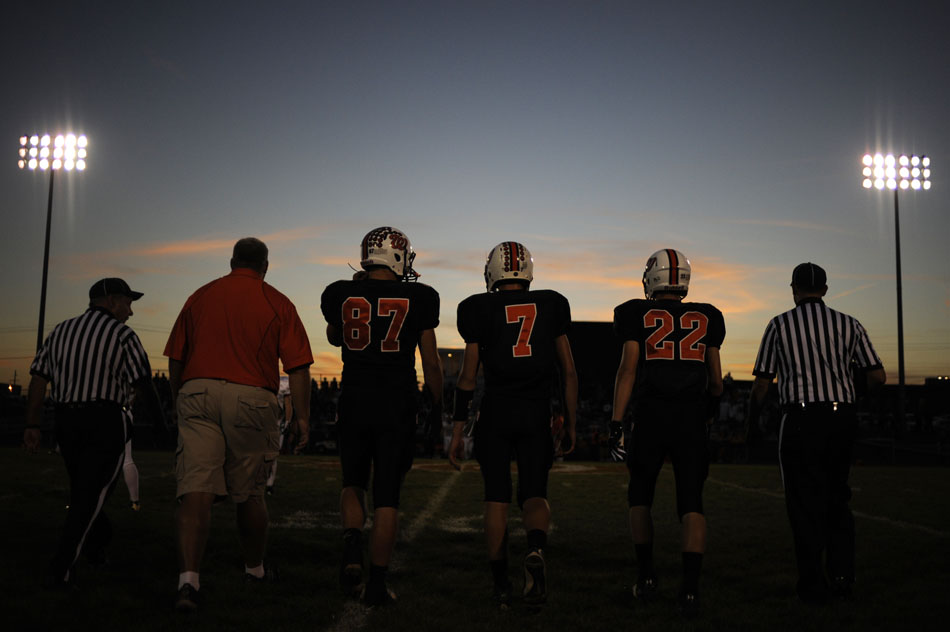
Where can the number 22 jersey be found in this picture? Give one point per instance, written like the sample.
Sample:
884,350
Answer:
673,338
380,322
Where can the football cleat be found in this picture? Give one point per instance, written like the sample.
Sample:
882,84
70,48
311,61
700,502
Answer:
187,599
667,270
501,595
380,595
535,587
390,248
351,566
508,261
271,575
646,589
688,603
615,442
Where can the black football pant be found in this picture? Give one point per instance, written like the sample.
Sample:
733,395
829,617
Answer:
91,440
815,449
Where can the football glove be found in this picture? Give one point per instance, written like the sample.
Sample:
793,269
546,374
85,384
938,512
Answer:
618,452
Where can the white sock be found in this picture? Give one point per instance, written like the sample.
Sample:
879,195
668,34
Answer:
131,474
273,474
189,577
257,571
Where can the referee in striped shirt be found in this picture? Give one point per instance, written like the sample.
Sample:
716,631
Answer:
94,363
812,348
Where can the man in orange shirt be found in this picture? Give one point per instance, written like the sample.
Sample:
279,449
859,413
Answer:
223,370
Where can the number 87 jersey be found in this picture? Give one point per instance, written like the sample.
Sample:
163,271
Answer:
380,322
673,337
515,332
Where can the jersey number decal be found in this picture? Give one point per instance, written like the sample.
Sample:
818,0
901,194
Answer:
525,313
357,312
690,347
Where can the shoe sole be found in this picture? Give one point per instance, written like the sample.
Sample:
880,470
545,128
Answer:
538,598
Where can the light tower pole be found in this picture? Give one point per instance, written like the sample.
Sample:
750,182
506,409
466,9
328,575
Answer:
65,151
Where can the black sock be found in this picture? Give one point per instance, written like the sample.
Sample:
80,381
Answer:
645,559
377,575
537,539
352,546
692,564
499,571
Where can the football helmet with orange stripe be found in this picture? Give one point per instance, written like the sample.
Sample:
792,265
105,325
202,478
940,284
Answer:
390,248
508,261
667,270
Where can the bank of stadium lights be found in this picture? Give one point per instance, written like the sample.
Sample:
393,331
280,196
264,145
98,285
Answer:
65,151
902,172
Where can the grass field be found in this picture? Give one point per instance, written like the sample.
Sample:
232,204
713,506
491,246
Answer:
440,572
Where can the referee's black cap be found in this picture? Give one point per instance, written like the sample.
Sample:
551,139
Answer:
106,287
809,276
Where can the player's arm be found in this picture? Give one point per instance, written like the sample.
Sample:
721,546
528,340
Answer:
431,365
33,435
464,390
713,383
760,388
623,388
300,400
626,378
334,336
562,347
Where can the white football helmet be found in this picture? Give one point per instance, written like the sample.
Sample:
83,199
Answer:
508,261
666,271
388,247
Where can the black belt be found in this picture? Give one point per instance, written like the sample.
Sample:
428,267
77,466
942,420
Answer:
802,407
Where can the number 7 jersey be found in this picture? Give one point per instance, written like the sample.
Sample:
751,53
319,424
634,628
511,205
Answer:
380,322
515,333
673,338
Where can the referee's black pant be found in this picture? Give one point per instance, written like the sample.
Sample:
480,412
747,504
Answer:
815,448
91,438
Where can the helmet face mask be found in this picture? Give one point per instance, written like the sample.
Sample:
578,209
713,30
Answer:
508,261
666,270
388,247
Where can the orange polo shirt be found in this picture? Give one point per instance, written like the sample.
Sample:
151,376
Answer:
235,328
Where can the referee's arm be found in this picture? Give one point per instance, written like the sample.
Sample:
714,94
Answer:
876,377
33,435
760,388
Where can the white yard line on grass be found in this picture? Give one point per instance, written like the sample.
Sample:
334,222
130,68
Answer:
354,615
900,524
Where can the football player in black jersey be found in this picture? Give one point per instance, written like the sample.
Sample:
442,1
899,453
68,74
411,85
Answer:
378,319
520,338
670,367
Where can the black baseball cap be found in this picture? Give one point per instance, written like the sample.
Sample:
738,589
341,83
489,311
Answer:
809,276
106,287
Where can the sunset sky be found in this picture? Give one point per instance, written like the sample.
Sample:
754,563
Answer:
593,132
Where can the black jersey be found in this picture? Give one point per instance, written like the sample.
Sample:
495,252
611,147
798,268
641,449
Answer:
515,332
673,337
380,322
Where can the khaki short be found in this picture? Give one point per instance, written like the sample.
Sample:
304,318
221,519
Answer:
228,437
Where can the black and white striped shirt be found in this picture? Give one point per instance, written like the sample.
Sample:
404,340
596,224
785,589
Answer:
811,348
92,357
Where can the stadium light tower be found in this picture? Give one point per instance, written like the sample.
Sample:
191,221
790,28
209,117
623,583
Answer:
885,171
46,153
